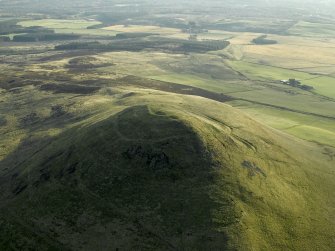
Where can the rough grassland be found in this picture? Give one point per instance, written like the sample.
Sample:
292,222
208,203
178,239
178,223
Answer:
258,189
96,153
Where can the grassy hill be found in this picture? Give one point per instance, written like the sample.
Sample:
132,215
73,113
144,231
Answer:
166,127
159,171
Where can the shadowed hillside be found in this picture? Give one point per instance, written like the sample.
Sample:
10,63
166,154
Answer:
153,177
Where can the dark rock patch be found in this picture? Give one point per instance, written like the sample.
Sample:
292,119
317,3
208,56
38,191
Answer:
20,188
72,168
30,119
252,168
57,111
154,159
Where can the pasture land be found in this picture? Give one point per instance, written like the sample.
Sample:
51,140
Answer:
59,23
311,56
79,26
322,84
308,127
142,29
308,29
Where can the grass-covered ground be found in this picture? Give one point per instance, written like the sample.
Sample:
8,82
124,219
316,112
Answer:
310,29
59,23
310,62
69,26
254,184
142,28
159,149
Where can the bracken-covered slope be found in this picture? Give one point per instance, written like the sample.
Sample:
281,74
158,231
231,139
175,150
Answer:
174,173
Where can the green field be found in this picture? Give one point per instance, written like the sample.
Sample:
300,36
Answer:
323,85
69,26
313,29
307,127
264,72
59,23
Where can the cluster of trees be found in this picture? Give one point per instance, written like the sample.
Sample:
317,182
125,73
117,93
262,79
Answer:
133,35
30,34
296,83
194,28
204,46
263,40
246,27
78,46
4,39
9,27
69,88
173,45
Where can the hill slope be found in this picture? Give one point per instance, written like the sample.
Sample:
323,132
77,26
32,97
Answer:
184,173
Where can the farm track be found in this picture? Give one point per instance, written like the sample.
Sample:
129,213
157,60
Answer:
287,109
297,69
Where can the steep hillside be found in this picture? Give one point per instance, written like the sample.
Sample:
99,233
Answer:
173,173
